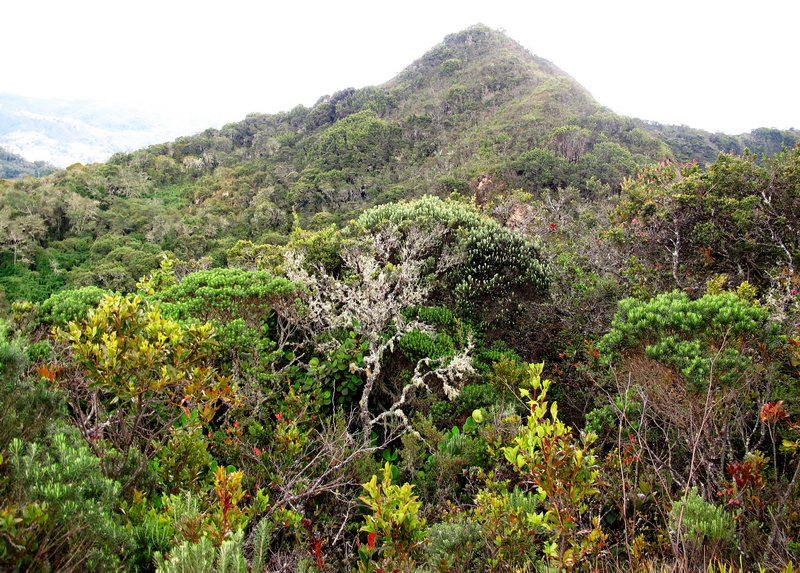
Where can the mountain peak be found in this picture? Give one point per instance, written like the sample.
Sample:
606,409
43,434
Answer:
489,69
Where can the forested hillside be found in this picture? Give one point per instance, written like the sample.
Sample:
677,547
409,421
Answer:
14,166
690,144
467,320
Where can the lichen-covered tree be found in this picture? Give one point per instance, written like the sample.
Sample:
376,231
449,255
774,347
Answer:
400,256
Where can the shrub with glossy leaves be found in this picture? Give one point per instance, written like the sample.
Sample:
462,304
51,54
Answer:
143,372
394,529
563,469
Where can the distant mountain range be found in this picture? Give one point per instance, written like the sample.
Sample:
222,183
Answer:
63,132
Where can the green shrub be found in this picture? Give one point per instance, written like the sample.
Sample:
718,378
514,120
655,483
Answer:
13,360
498,268
153,535
499,352
29,409
714,333
81,532
70,305
436,315
451,66
203,557
38,351
455,546
707,530
475,396
441,410
423,345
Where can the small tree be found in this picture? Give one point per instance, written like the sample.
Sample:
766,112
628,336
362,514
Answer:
139,373
370,300
394,530
564,472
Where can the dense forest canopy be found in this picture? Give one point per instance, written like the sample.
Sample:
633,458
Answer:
467,320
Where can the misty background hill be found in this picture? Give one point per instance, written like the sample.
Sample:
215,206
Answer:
63,132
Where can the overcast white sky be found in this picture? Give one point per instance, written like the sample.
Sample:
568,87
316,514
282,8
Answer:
717,65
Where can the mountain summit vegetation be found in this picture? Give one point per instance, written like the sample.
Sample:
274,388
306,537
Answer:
476,107
467,320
